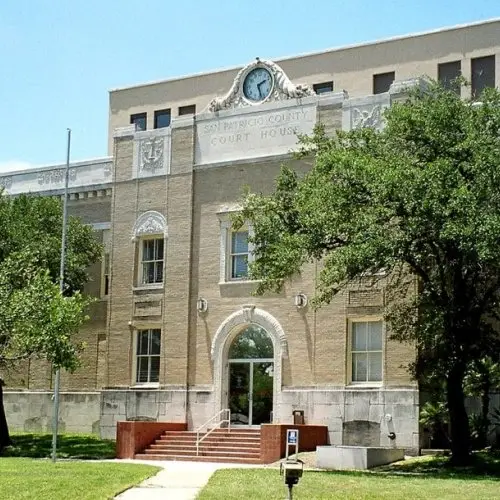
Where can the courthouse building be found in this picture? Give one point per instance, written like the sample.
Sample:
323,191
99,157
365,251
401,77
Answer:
177,334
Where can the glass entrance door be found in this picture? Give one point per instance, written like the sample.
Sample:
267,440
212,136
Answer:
251,391
251,372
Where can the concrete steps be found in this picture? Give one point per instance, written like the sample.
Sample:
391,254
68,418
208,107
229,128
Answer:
236,446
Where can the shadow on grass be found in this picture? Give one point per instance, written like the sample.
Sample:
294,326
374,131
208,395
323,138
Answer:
77,446
484,465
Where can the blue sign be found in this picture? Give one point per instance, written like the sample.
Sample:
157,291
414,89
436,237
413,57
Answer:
292,436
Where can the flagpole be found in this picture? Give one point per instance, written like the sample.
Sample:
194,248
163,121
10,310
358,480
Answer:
55,423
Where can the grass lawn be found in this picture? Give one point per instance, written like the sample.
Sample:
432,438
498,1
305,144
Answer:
24,478
421,478
78,446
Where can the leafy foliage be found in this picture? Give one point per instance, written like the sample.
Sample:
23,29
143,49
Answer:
419,200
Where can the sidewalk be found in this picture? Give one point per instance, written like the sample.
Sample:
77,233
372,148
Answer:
176,481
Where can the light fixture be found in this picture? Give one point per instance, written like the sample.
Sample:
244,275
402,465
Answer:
301,300
202,305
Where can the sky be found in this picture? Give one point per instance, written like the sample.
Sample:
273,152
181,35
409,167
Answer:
59,58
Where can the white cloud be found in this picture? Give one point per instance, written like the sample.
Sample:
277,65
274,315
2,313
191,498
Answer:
12,165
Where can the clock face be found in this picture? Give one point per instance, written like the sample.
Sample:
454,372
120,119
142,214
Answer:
258,84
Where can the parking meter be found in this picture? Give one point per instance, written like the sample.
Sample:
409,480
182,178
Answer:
291,468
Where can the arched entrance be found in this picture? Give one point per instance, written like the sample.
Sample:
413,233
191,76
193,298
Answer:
223,340
251,373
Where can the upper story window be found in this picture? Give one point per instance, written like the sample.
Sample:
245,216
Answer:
236,251
150,232
187,110
152,254
321,88
148,356
382,82
106,271
238,255
366,351
482,74
162,118
139,120
448,74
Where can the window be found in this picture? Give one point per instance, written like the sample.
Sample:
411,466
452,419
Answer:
321,88
105,271
139,120
187,110
366,351
152,261
382,82
148,356
238,255
162,118
482,74
448,74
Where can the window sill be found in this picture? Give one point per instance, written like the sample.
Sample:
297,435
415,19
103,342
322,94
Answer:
364,385
239,282
146,386
152,286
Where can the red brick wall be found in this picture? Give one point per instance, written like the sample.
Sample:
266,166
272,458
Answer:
273,439
134,437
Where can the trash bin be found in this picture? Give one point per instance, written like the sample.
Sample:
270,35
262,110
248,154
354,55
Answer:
298,417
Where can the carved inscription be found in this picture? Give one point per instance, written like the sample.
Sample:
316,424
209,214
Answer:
55,176
253,135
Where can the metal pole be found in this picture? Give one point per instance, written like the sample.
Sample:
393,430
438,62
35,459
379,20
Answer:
55,423
290,494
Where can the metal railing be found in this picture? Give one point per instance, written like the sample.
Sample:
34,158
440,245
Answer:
219,414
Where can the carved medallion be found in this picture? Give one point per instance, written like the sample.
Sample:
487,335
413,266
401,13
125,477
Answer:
151,154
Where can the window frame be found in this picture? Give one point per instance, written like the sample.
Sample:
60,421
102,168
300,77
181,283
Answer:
136,355
162,112
447,84
230,254
349,371
474,91
106,264
226,232
186,110
323,87
135,116
140,268
385,73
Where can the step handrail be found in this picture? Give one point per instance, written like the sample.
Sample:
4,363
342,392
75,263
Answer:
199,439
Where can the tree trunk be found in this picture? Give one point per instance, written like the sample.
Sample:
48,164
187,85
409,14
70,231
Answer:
4,429
485,409
459,422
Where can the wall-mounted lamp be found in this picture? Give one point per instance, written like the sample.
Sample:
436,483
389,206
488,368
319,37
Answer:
202,305
301,300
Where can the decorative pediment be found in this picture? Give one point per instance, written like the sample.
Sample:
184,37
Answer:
281,88
150,223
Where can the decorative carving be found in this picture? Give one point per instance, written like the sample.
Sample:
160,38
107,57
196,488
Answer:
151,154
364,118
55,176
283,88
6,182
257,316
248,313
150,223
108,170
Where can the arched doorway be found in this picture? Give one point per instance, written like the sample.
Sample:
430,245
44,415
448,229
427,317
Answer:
250,377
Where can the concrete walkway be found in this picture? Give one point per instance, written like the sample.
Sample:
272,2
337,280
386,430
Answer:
176,480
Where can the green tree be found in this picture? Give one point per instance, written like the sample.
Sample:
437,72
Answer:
419,199
36,321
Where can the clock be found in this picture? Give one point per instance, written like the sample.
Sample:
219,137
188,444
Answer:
258,84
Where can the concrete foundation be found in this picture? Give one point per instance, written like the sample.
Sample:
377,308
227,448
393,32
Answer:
355,457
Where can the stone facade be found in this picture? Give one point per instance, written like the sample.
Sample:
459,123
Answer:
179,185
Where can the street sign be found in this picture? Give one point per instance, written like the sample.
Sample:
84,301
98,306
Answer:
292,436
